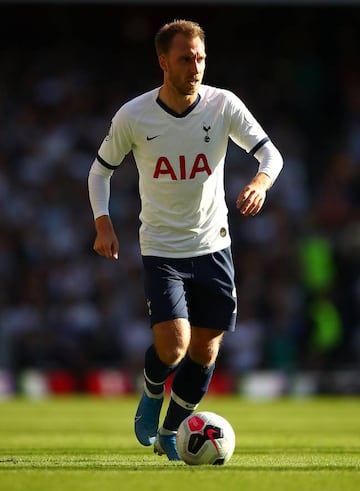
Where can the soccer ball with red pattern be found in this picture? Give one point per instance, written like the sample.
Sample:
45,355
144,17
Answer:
205,438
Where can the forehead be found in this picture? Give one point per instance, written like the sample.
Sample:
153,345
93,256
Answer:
184,44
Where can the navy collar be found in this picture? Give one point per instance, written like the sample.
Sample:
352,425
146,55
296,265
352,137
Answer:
175,114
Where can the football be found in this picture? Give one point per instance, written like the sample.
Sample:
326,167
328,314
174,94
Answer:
205,438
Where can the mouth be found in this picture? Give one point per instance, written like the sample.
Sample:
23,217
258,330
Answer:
193,82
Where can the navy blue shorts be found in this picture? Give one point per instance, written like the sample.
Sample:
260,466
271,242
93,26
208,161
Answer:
200,289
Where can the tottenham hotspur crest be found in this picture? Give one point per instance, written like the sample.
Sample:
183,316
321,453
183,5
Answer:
206,129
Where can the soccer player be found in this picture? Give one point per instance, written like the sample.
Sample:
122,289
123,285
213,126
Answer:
178,134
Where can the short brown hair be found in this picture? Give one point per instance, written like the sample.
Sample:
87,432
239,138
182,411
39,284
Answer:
166,34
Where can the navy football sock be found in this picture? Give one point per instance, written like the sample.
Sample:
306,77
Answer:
155,372
190,384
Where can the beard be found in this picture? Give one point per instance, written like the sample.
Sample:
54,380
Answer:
185,87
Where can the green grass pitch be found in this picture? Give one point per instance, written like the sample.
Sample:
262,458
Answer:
85,443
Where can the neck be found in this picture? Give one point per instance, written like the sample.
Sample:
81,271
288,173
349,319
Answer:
175,101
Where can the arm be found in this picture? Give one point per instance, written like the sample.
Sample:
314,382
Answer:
251,198
112,151
106,243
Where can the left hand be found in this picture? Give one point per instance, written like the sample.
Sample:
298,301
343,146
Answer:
252,197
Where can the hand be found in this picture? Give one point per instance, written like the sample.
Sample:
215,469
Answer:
252,197
106,243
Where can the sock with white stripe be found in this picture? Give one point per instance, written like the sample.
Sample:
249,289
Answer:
190,384
155,373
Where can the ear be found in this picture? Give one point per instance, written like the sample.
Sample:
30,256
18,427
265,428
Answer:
163,63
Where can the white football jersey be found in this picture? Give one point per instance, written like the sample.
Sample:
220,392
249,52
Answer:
180,161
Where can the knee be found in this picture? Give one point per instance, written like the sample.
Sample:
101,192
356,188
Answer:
171,340
204,355
171,355
204,350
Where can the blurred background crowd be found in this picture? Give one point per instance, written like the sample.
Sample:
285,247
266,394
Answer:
65,71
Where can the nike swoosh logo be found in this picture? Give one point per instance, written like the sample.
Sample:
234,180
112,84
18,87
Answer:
137,418
151,137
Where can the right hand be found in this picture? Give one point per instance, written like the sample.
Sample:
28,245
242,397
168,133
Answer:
106,243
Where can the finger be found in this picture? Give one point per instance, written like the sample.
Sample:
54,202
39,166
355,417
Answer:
98,250
243,196
103,251
252,206
257,207
239,201
247,206
114,251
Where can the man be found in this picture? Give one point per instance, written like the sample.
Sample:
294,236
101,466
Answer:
178,134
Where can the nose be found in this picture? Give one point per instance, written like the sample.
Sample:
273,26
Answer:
195,67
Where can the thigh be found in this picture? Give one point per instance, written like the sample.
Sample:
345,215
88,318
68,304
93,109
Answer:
164,284
212,299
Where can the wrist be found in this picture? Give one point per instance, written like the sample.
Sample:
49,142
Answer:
263,180
102,223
